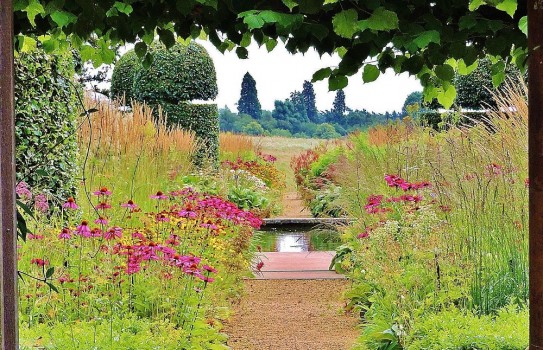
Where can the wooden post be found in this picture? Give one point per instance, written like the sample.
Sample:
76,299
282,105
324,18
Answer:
8,240
535,160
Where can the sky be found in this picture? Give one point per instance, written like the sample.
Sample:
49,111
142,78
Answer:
278,73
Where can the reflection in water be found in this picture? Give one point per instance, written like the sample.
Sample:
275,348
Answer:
291,242
298,241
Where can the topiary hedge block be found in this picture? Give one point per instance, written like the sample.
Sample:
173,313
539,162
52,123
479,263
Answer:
122,78
45,123
203,120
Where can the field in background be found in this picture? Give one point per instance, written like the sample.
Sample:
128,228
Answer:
284,148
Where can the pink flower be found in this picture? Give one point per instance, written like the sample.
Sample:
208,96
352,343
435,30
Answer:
70,204
39,262
101,221
527,183
65,234
159,195
83,229
103,191
103,206
137,235
41,204
96,232
162,218
130,205
23,191
112,233
260,265
209,269
31,236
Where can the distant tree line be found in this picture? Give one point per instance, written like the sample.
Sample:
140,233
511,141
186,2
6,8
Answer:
297,115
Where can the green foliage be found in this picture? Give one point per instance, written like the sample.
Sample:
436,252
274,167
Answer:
45,125
414,98
326,131
180,73
203,120
248,101
129,333
122,78
253,128
453,329
248,198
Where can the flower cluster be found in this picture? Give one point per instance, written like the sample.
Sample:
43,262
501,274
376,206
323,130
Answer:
398,182
264,170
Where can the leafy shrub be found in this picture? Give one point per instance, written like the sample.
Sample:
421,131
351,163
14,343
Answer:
46,110
455,329
122,78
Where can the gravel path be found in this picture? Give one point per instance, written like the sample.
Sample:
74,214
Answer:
292,315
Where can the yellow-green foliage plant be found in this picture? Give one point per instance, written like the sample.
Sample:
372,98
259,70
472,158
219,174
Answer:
442,223
132,153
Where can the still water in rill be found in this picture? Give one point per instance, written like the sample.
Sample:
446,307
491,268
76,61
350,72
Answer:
297,240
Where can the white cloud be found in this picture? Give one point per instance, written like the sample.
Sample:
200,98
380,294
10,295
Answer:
278,73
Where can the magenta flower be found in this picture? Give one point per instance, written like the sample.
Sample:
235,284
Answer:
103,191
130,205
83,229
65,234
101,221
159,195
70,204
103,206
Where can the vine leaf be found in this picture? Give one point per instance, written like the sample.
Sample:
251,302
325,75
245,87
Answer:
33,9
381,19
321,74
63,18
344,23
370,73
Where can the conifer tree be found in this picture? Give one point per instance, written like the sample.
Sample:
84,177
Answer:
248,101
339,107
309,100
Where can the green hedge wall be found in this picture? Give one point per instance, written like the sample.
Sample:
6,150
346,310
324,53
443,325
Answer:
203,120
45,123
122,78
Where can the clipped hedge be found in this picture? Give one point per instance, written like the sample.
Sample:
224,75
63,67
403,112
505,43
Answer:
203,120
475,90
122,78
45,123
182,73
